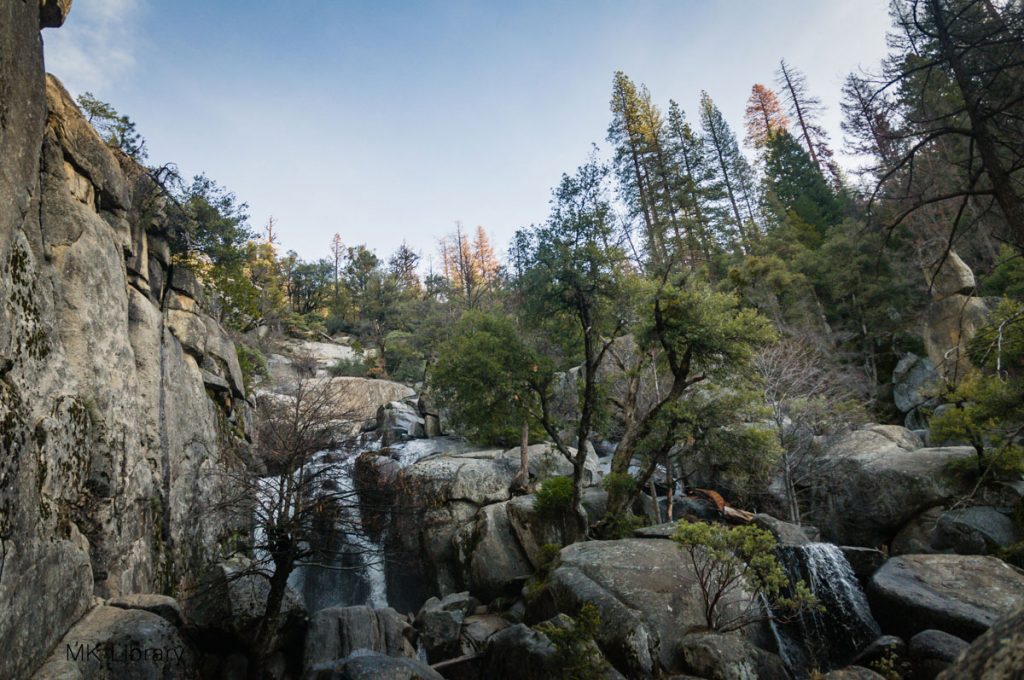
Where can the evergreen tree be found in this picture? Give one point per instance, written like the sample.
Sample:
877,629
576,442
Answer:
805,111
733,176
764,116
796,190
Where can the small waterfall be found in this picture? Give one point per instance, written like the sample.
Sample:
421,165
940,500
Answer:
828,639
347,566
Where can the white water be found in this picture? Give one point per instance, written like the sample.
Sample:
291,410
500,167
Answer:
825,640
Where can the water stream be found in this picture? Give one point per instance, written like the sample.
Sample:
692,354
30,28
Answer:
821,640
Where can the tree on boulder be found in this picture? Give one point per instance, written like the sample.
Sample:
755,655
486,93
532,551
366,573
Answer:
485,377
735,568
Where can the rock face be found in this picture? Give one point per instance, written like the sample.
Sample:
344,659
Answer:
336,632
962,595
120,400
954,315
996,655
869,483
452,525
646,595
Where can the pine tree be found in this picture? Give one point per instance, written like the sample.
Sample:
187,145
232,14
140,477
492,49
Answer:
692,178
805,111
732,173
763,116
402,264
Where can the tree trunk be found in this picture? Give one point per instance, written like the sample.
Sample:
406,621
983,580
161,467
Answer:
271,616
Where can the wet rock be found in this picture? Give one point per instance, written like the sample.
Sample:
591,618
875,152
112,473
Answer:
400,421
864,561
962,595
784,532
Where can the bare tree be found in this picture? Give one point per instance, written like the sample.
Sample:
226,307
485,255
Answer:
808,396
296,494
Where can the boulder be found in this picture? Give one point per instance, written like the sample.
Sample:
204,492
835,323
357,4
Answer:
948,275
976,530
110,642
719,656
784,532
520,653
400,421
869,483
337,632
932,651
950,324
880,648
440,624
997,655
646,595
373,666
915,382
52,13
477,629
959,594
490,556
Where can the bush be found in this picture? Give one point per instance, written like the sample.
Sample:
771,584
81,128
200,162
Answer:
253,364
554,497
351,368
738,564
576,655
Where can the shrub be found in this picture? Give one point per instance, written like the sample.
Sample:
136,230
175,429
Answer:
253,364
735,568
352,368
576,655
554,497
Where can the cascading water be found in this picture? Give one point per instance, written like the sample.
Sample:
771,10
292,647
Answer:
348,565
830,638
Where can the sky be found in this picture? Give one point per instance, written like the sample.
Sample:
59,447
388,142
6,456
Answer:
388,121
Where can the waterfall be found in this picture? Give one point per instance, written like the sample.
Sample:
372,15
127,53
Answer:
347,566
826,639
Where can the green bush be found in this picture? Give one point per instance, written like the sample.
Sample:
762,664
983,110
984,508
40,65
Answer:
619,483
253,364
576,655
554,497
351,368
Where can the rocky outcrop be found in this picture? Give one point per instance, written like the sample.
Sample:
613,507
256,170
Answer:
869,483
646,595
452,526
110,642
372,666
729,657
932,651
337,632
117,421
958,594
996,655
954,315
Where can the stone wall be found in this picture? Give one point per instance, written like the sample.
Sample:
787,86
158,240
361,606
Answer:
121,403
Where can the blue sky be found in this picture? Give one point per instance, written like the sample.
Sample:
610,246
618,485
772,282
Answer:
384,120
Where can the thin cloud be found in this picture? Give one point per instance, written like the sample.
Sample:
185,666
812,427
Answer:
96,46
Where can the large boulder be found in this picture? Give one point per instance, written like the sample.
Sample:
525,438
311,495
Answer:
963,595
111,643
932,651
915,386
440,624
646,594
997,655
491,559
521,653
337,632
869,483
729,657
950,325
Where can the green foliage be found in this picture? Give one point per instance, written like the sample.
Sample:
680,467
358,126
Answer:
577,656
728,561
618,483
798,193
547,562
620,523
890,666
253,364
1007,279
553,500
483,375
117,130
350,368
